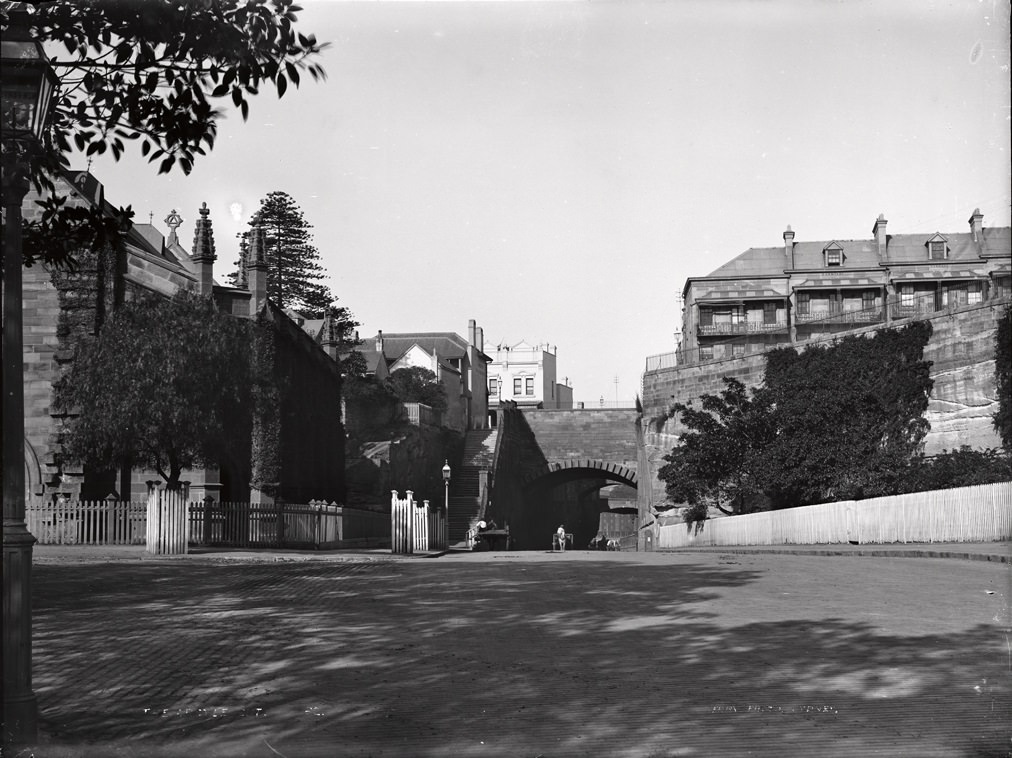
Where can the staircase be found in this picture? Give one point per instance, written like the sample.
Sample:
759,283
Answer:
465,486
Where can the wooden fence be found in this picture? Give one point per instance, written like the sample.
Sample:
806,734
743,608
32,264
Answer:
416,526
90,522
312,525
169,526
982,513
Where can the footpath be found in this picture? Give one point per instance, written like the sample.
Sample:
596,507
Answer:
1000,552
997,552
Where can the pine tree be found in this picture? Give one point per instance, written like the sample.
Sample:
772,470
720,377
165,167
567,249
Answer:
294,272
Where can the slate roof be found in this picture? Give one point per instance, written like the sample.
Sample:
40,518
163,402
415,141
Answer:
861,254
756,261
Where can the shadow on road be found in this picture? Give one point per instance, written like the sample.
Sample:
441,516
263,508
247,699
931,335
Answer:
481,659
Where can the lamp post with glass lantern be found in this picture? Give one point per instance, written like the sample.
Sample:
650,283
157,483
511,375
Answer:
27,84
446,487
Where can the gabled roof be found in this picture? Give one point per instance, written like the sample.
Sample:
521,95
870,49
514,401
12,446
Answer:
444,344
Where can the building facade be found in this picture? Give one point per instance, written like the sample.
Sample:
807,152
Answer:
768,297
526,375
459,364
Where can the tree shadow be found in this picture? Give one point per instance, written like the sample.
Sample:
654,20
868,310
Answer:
433,659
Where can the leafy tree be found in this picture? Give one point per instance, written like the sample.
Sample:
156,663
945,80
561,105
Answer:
417,385
849,415
148,72
719,460
294,272
958,468
164,384
1003,378
833,422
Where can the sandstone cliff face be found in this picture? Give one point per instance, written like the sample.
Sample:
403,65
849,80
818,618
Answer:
963,399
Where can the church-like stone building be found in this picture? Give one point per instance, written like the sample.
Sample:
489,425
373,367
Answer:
296,450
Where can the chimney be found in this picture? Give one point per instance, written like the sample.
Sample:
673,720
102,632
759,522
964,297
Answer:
203,252
789,246
256,271
481,340
379,341
977,227
880,236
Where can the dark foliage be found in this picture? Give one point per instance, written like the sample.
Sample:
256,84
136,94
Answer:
849,415
417,385
959,468
149,72
1003,379
165,383
718,460
839,421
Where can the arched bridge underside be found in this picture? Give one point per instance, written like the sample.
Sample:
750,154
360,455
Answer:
558,472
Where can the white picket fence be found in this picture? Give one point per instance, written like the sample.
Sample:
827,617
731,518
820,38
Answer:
87,522
165,521
982,513
415,526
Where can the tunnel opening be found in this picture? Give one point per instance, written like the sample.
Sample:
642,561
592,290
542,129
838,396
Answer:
588,502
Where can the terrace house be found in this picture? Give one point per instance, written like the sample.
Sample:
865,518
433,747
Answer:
808,290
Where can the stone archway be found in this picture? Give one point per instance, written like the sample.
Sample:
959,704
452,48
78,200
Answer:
565,492
617,472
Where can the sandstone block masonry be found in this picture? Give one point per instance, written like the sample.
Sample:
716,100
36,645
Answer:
960,409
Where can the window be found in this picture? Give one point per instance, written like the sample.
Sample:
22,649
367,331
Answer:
706,353
868,300
737,315
907,296
518,386
737,349
493,385
804,303
529,384
769,313
936,250
705,317
834,256
835,302
976,294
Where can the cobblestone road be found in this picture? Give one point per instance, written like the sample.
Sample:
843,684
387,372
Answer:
524,655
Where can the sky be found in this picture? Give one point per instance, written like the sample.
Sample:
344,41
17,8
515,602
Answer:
555,170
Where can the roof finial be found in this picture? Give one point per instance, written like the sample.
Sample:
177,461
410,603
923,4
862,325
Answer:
173,221
203,237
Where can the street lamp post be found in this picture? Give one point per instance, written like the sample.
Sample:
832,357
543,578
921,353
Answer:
26,89
446,487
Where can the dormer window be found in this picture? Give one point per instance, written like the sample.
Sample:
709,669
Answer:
834,255
938,250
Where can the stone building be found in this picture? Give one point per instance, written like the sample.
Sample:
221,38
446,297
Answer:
527,375
813,289
62,307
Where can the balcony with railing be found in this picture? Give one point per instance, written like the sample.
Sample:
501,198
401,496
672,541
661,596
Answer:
741,327
855,317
